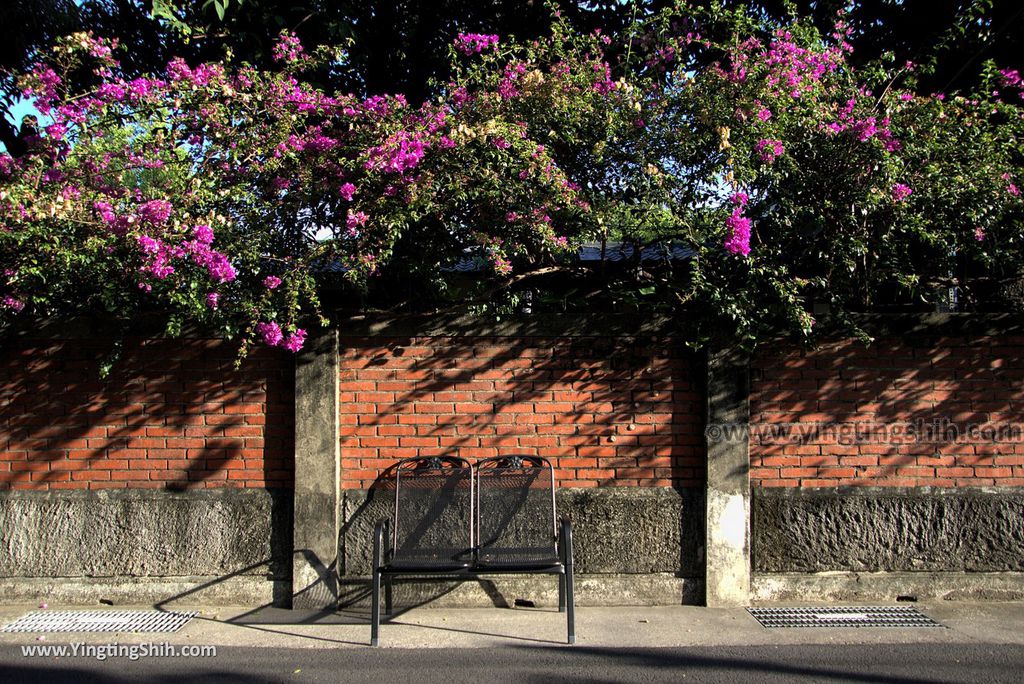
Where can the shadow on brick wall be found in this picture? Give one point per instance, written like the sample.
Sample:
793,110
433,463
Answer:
908,412
610,413
172,414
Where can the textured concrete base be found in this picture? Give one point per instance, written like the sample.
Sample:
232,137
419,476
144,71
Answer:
145,533
506,591
223,547
887,586
212,591
896,530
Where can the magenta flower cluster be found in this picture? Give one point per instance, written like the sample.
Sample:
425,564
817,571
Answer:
475,43
155,212
158,256
501,265
738,239
604,83
796,69
401,152
900,192
1011,78
769,150
864,129
12,303
508,88
354,221
288,48
1011,187
273,336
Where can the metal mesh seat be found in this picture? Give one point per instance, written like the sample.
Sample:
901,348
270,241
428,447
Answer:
456,522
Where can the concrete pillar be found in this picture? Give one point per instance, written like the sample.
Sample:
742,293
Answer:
317,482
727,515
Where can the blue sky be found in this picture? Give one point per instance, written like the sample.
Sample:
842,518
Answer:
19,110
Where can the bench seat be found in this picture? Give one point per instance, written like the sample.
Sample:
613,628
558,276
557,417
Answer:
452,520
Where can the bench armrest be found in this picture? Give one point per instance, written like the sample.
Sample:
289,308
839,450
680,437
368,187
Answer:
565,543
381,533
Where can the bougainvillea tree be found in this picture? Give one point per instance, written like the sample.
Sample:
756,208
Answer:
804,181
219,194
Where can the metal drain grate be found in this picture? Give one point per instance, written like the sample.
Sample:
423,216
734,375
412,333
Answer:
99,621
843,616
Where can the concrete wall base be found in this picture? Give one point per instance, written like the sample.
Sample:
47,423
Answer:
166,591
887,586
629,531
656,589
972,530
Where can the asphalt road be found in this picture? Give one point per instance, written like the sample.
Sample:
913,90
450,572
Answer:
899,663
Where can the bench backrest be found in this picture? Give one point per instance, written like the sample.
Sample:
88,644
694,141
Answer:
433,510
515,509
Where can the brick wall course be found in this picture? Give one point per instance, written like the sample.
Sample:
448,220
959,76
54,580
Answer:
172,414
902,412
606,411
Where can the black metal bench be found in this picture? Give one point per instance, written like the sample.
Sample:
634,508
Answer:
452,520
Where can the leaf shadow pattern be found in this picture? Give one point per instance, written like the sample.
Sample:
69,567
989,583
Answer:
173,414
173,417
899,456
609,411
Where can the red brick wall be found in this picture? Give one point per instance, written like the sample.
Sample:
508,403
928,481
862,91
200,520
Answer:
942,413
607,412
172,414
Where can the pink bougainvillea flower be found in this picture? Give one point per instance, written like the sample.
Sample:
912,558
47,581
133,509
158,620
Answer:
270,333
271,282
294,342
288,49
155,212
769,150
1010,78
900,192
354,221
738,239
203,234
12,303
475,43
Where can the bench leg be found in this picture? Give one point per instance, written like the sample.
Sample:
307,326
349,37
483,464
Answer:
570,608
561,593
565,548
375,610
388,595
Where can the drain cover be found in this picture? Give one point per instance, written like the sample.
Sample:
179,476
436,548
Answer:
99,621
843,616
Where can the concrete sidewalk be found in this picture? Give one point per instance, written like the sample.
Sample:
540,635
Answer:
619,627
